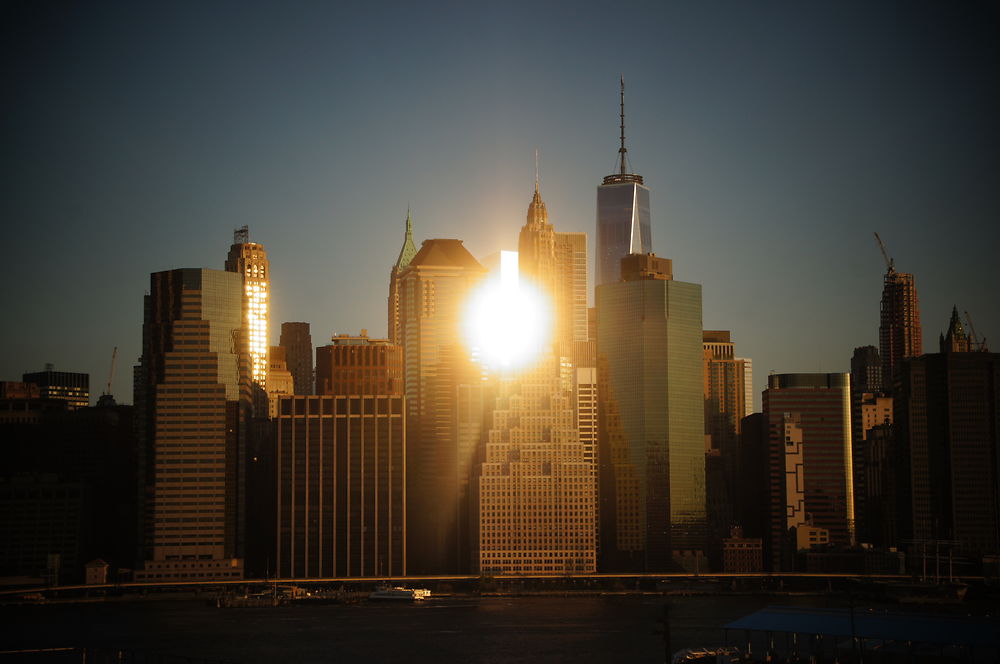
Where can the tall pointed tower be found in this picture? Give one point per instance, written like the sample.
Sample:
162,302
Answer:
406,254
622,214
556,263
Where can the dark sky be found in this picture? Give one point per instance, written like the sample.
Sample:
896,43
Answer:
776,137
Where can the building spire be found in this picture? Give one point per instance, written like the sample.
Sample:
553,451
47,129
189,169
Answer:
622,150
536,170
409,249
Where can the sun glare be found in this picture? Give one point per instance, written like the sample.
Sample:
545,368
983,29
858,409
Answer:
507,322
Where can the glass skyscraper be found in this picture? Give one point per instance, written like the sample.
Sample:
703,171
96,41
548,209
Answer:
622,215
652,432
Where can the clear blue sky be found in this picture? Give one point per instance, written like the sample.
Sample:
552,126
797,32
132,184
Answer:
775,138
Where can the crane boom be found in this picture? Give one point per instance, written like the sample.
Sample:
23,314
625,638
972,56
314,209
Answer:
977,344
111,374
885,254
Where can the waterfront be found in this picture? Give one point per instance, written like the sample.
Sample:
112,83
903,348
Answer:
491,630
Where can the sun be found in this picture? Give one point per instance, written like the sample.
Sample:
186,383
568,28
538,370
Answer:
507,322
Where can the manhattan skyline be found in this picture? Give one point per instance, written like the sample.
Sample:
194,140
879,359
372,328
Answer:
774,139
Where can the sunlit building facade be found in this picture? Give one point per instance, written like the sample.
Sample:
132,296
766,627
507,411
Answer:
652,439
537,499
444,402
250,260
557,264
406,254
341,478
192,401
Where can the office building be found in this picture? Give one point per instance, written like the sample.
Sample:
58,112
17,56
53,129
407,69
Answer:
444,405
73,388
557,264
249,260
192,402
406,254
725,406
900,335
537,498
623,226
742,555
866,370
279,379
297,342
811,466
946,415
341,478
352,365
652,441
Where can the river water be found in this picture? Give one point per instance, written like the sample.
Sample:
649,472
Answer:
493,630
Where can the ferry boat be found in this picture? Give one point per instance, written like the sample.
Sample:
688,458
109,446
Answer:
400,592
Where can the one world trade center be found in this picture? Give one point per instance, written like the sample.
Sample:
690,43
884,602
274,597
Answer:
622,215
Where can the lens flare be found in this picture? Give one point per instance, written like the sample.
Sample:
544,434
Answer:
507,322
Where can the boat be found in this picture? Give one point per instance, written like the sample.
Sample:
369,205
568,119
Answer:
399,592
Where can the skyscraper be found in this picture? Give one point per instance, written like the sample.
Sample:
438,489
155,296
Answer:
73,388
899,331
725,407
809,424
443,405
406,254
352,365
249,260
341,478
946,415
557,264
538,507
297,342
652,441
192,400
622,215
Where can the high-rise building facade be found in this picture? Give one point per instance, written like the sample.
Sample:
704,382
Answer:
557,264
652,442
73,388
811,464
359,365
866,370
341,479
406,254
444,403
725,407
900,335
249,260
623,225
537,498
192,400
279,379
297,342
946,415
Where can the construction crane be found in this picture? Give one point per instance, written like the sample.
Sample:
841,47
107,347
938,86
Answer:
975,344
885,254
111,374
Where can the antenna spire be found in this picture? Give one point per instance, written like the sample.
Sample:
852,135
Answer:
622,150
536,170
